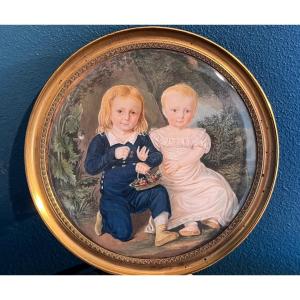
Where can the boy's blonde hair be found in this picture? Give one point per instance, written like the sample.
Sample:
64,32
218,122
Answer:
180,88
104,116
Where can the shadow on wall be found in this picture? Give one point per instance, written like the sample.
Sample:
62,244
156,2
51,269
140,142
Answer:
22,87
20,197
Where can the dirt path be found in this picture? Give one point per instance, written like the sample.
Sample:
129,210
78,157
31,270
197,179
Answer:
142,244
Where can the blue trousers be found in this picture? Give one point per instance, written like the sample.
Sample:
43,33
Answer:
115,211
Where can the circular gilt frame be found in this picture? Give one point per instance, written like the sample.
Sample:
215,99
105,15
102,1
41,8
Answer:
69,74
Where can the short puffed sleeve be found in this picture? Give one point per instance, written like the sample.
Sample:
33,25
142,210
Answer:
201,139
155,138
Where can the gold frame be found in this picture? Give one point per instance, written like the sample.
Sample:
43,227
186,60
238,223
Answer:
69,73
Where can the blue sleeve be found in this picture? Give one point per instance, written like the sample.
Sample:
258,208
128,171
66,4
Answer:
98,157
154,157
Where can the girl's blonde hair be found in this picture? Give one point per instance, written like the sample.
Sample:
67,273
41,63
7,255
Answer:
104,116
180,88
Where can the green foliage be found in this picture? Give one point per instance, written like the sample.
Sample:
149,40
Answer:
76,190
228,152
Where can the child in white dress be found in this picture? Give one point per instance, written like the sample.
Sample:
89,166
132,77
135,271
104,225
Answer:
196,192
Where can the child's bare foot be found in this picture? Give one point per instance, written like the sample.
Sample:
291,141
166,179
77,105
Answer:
212,223
190,230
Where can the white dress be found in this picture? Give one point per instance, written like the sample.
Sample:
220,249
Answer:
196,192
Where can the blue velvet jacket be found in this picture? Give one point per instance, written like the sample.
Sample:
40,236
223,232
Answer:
117,174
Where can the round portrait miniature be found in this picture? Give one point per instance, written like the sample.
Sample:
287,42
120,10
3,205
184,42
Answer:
148,154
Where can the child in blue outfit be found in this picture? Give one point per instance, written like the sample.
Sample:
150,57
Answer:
120,151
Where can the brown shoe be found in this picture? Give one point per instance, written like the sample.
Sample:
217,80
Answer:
163,236
212,223
190,231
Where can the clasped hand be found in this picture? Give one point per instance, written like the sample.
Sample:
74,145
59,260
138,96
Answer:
122,152
142,154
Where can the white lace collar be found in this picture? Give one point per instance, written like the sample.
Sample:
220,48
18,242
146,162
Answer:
112,139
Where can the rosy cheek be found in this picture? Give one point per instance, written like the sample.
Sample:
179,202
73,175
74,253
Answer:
135,117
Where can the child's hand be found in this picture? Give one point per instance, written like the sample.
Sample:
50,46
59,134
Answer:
142,154
142,168
171,167
122,152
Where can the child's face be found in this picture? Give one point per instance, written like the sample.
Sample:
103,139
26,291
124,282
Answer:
179,110
125,113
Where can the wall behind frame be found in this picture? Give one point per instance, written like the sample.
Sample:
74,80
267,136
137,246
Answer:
30,54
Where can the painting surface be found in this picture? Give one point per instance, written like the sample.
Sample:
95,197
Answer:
221,112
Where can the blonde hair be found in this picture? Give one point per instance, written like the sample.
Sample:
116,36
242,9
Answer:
180,88
104,116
